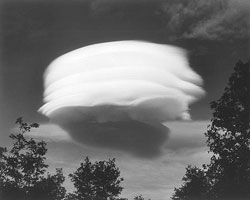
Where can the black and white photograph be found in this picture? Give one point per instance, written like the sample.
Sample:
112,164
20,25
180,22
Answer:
124,99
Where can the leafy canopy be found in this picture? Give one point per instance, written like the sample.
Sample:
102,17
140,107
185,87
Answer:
98,180
22,169
228,138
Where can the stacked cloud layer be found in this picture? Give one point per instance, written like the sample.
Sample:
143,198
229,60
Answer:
128,84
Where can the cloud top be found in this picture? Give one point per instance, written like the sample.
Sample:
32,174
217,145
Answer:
118,88
142,77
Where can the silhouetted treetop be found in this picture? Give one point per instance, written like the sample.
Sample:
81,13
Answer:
230,125
97,181
23,167
228,137
195,185
227,177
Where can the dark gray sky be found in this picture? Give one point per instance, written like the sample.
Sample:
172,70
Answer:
34,32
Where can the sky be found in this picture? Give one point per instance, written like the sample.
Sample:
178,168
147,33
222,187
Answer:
214,33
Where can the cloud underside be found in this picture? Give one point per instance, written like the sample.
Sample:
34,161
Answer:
155,178
117,95
137,138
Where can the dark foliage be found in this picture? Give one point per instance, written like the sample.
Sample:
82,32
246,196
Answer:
229,137
96,181
139,197
227,177
195,185
22,170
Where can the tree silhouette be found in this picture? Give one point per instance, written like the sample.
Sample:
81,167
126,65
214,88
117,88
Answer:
22,170
228,137
96,181
195,185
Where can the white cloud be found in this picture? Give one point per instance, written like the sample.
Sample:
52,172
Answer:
50,133
117,95
133,74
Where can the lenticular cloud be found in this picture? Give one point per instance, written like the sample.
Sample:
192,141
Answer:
121,87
